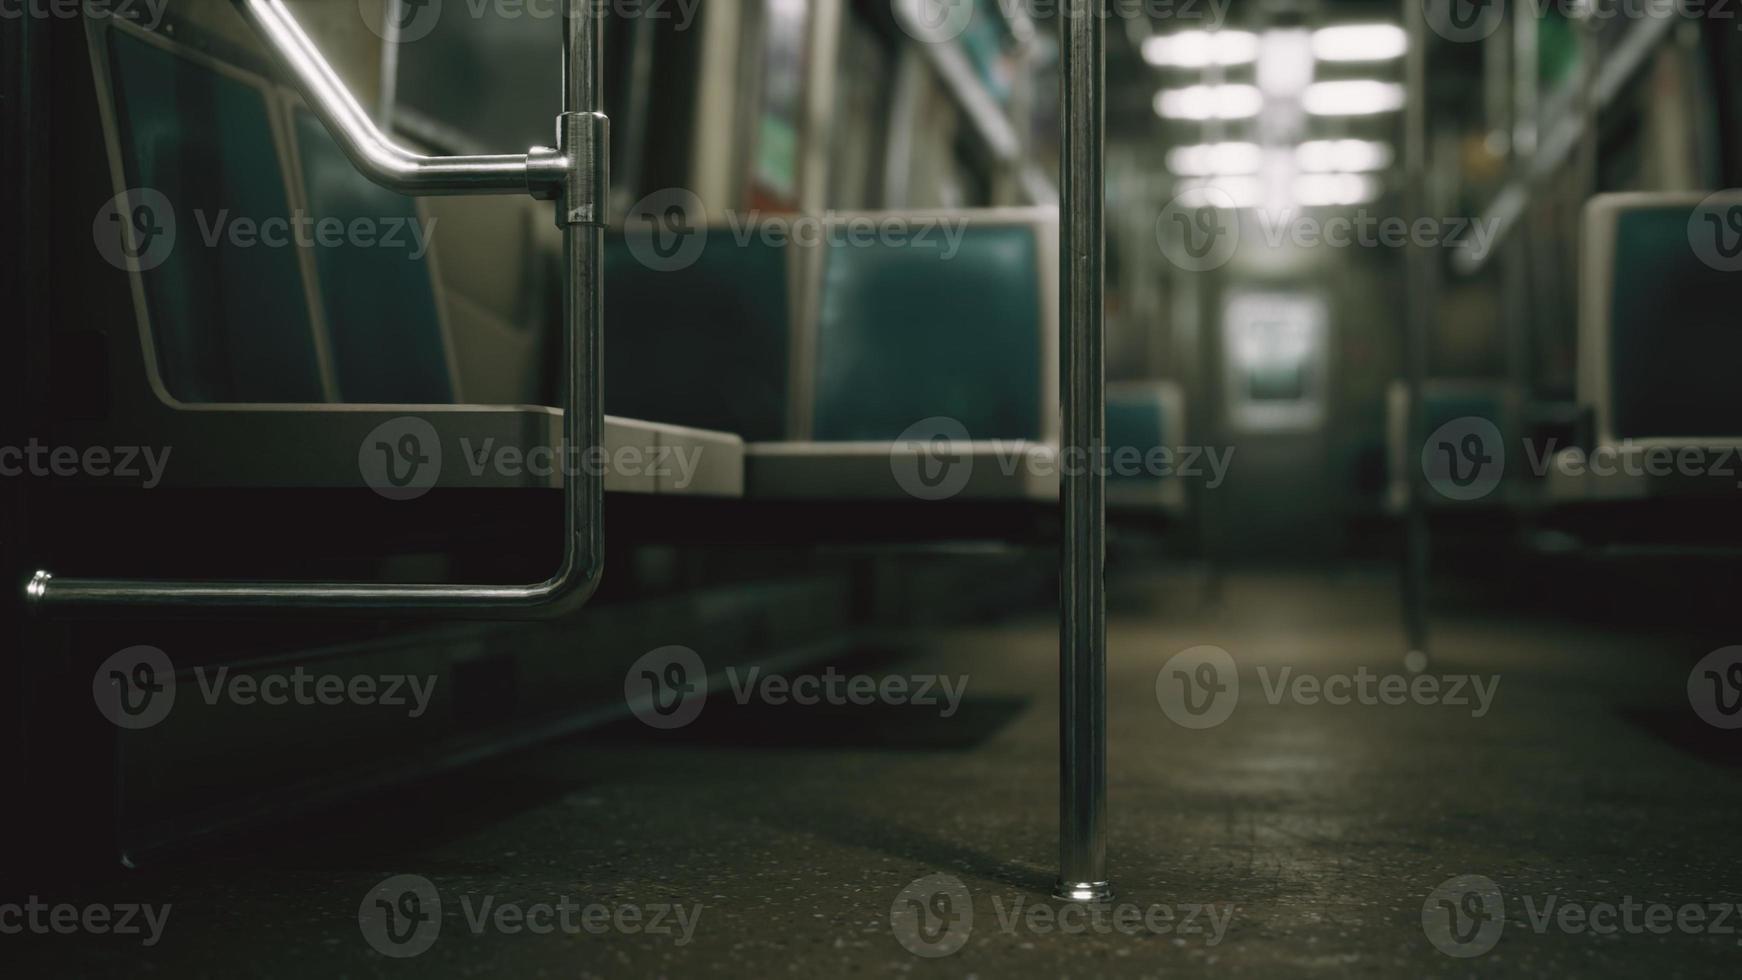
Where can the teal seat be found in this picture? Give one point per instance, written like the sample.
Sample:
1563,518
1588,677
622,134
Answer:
229,323
905,333
379,298
1440,405
705,345
1674,335
1136,419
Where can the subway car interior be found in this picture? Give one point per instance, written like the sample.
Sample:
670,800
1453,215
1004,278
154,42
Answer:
824,488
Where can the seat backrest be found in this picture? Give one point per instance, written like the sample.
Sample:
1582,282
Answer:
278,289
1443,400
1143,416
230,322
377,292
950,313
1658,332
704,343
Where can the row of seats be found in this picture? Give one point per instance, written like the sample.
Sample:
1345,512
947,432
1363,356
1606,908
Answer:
1657,340
808,364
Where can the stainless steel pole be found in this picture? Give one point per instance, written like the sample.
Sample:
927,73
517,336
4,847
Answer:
1419,276
1082,601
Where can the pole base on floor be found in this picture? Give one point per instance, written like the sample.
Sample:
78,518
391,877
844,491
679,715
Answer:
1088,892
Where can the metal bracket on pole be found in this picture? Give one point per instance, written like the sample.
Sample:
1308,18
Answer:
1082,492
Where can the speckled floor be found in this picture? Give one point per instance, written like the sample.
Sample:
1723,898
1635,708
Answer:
1293,838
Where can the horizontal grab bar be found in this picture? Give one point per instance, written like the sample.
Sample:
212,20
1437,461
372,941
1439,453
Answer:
536,172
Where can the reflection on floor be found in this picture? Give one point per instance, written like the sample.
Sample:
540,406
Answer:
1295,837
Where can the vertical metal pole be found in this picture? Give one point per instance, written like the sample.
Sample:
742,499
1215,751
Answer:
1419,287
584,139
1082,602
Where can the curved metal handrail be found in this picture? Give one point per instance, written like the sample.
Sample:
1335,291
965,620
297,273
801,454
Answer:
575,176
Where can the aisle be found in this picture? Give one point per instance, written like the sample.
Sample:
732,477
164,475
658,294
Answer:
1293,838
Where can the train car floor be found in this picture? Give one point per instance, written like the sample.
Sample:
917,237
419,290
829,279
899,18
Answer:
1549,803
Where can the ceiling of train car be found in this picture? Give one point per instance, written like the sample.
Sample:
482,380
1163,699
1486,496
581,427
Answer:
1275,102
1132,79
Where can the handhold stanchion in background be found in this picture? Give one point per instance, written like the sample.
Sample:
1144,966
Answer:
1082,498
1419,299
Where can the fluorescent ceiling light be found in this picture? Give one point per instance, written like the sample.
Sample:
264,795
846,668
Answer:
1285,62
1218,192
1344,156
1354,97
1210,159
1360,42
1209,102
1200,49
1332,190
